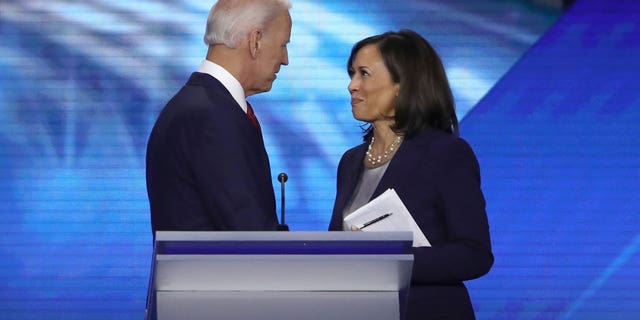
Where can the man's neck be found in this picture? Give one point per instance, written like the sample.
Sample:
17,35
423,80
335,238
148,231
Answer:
231,60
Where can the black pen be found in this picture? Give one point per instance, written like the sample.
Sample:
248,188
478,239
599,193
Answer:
366,224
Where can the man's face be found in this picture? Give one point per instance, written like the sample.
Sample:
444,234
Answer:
272,53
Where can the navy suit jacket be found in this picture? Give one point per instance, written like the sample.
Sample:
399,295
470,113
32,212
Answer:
207,168
437,176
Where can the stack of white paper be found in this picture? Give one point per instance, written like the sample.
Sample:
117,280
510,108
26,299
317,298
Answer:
399,219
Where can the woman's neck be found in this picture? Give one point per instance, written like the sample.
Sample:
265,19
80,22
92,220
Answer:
383,136
383,145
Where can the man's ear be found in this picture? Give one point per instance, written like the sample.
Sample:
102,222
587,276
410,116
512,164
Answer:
255,41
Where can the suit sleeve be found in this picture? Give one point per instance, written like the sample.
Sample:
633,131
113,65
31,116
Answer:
464,253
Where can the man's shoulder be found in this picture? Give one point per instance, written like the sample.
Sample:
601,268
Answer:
200,79
201,90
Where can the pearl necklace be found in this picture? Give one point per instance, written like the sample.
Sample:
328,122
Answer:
384,157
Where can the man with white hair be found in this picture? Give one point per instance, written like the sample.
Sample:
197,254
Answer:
207,167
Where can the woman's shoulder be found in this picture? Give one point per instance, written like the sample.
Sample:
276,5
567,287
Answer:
437,139
354,151
442,144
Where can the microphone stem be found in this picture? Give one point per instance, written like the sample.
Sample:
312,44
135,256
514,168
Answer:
282,203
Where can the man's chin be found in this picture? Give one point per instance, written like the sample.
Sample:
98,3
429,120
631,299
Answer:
267,87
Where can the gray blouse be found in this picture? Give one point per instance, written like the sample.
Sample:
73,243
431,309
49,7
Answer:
367,184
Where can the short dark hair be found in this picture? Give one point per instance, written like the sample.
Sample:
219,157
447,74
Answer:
425,99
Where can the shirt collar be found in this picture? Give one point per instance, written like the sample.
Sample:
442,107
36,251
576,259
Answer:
227,79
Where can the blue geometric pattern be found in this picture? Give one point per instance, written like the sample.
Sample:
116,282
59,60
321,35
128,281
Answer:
557,139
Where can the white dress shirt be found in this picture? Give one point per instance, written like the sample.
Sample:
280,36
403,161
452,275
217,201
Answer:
227,79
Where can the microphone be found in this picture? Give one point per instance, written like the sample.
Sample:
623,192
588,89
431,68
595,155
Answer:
282,177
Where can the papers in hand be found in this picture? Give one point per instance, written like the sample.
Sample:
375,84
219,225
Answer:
386,213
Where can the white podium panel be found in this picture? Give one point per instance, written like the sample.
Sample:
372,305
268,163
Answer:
267,305
279,275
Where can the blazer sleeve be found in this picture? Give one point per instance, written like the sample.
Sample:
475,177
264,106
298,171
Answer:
463,251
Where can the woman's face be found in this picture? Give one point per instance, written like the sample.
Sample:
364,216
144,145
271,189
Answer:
372,91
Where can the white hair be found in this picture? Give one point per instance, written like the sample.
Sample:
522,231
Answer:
231,20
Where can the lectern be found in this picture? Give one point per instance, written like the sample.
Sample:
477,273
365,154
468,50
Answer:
279,275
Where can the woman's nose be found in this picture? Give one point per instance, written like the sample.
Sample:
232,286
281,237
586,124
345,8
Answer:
352,87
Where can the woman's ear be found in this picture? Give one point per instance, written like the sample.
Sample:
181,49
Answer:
255,40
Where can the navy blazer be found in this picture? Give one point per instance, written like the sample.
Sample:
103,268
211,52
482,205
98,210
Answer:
437,176
207,168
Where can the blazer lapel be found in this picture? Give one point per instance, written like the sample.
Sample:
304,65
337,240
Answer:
216,91
401,166
352,171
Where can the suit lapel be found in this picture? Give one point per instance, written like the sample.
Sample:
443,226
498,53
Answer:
352,171
402,165
217,91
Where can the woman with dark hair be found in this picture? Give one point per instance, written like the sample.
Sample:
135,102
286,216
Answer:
400,88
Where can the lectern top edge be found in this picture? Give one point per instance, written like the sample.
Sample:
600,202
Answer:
281,236
277,242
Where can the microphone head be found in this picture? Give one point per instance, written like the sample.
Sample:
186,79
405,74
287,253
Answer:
282,177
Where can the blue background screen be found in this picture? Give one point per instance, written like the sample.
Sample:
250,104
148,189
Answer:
547,98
